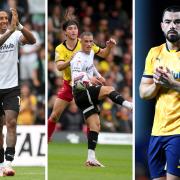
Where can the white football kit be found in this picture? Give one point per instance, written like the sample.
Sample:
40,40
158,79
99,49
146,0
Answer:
9,61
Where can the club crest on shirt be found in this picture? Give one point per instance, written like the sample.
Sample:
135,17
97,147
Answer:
158,59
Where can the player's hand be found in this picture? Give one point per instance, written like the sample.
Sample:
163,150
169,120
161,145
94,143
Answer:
111,43
164,77
158,75
167,80
102,80
14,19
15,13
95,81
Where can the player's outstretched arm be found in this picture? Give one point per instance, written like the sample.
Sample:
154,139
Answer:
148,89
109,45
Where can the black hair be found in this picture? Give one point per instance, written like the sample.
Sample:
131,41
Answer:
69,23
8,12
171,9
2,10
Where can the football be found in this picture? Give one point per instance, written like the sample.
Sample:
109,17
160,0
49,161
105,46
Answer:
80,86
82,81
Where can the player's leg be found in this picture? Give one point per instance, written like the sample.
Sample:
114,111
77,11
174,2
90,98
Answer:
93,123
1,138
11,122
173,157
58,109
11,105
157,158
84,101
172,177
161,178
1,143
64,97
114,96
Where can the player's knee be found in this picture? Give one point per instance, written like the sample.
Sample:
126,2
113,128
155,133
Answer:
98,126
11,124
94,127
105,91
110,89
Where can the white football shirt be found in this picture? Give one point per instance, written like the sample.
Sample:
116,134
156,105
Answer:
82,67
9,61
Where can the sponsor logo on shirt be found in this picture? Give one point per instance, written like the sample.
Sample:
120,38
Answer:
158,59
6,48
176,75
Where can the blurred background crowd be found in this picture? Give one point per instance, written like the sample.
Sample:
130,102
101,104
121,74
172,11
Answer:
31,60
105,19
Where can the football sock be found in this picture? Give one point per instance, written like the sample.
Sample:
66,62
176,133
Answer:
92,140
128,104
116,97
91,154
1,155
51,128
9,154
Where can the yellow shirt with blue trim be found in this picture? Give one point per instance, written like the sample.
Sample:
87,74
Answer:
167,109
63,53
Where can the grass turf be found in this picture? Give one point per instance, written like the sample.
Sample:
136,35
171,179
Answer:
66,162
27,173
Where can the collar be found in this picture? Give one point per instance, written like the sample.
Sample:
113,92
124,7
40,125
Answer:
64,43
172,49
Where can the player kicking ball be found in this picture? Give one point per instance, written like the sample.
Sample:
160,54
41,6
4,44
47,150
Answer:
88,90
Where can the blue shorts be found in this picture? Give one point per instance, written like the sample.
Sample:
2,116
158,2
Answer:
164,155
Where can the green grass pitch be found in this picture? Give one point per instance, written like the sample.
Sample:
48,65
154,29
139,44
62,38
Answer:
27,173
66,162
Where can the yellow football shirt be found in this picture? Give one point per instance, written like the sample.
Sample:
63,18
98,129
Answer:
64,54
167,109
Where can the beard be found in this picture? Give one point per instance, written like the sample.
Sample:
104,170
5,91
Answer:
175,37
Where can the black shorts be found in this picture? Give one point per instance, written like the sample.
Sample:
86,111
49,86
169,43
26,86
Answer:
9,99
87,100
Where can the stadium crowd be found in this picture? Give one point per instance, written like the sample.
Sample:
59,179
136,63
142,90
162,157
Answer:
31,61
104,19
